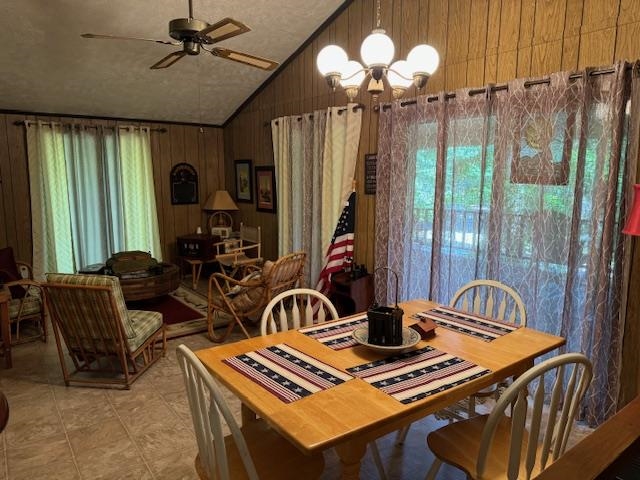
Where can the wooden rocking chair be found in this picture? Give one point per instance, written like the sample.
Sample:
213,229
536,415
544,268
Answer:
245,298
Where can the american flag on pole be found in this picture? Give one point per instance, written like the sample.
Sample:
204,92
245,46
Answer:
341,246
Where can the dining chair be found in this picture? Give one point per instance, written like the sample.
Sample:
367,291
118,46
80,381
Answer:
530,437
247,450
301,307
492,299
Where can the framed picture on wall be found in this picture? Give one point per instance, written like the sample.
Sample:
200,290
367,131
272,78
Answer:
266,189
244,188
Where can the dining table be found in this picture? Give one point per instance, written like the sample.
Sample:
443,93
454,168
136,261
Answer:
354,393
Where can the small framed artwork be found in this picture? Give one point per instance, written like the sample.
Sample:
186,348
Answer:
266,189
184,184
244,188
370,173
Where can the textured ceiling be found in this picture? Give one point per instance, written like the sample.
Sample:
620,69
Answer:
45,66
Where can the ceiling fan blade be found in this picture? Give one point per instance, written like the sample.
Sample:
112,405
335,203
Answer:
225,28
169,60
113,37
247,59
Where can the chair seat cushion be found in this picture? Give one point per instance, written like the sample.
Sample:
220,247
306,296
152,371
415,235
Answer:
273,456
30,306
145,324
9,271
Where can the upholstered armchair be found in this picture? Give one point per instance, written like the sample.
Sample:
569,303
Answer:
27,298
108,344
246,298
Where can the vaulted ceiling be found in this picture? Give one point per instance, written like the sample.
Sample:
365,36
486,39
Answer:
47,67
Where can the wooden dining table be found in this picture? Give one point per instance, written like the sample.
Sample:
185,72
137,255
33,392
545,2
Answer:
354,413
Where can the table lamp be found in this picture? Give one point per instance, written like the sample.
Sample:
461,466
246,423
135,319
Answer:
220,221
632,226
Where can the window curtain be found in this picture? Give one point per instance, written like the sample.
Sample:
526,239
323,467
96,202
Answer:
525,185
91,194
315,156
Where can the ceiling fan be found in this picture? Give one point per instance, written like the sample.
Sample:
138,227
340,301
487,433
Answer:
193,34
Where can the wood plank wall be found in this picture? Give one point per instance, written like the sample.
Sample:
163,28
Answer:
480,42
202,148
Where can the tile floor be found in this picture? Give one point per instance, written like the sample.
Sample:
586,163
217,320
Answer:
68,433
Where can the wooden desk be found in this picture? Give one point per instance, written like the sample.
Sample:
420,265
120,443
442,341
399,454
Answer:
354,413
5,327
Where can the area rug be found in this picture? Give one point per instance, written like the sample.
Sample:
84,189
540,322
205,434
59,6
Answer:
184,311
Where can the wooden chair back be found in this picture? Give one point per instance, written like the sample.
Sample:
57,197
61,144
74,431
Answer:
547,437
208,409
492,299
296,307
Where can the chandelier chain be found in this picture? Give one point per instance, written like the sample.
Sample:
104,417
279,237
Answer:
378,14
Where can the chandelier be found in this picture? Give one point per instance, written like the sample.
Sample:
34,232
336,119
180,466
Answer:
377,52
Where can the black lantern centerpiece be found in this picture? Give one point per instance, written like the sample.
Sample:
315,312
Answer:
385,323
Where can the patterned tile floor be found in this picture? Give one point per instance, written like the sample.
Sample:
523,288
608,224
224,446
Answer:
59,432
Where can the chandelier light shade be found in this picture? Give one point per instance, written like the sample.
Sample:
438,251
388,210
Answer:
632,226
377,52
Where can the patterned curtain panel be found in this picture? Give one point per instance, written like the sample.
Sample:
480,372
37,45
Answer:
315,156
91,194
524,185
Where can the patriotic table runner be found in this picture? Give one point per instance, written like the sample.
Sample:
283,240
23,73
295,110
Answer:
414,375
336,335
286,372
468,323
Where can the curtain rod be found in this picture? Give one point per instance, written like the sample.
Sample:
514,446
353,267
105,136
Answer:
497,88
110,127
359,106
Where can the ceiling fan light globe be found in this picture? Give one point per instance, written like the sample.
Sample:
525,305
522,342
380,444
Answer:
352,75
423,59
331,60
377,49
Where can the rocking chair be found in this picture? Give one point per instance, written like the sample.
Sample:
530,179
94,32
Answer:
241,299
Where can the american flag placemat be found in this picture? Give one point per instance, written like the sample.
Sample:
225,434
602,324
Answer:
468,323
418,374
286,372
336,335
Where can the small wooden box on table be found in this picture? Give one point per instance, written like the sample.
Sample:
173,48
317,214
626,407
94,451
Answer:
196,250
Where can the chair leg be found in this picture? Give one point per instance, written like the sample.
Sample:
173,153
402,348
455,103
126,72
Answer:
433,471
471,411
402,435
375,453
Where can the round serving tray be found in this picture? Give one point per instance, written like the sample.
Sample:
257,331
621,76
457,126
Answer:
410,338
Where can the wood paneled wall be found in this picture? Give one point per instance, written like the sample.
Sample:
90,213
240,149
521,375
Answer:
479,41
201,147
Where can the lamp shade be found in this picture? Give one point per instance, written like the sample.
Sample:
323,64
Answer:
331,59
353,75
221,200
423,59
399,74
633,221
377,49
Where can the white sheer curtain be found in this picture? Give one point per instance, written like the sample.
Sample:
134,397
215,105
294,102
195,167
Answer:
315,157
91,194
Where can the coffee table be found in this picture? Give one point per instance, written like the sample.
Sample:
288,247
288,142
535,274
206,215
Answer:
144,288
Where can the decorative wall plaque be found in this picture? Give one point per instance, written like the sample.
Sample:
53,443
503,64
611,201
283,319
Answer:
184,184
